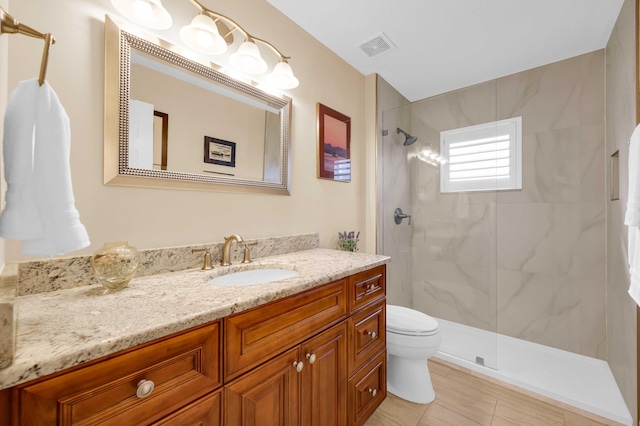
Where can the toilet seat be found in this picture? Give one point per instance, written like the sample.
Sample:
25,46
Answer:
409,322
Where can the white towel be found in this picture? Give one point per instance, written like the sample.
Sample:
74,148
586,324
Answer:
58,218
20,219
632,217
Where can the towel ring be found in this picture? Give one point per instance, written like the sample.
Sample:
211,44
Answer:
9,25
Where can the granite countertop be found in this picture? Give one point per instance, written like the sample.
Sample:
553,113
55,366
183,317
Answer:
61,329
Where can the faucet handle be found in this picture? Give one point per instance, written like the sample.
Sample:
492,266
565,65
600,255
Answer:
247,253
206,263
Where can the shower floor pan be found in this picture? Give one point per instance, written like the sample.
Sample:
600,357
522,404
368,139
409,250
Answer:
580,381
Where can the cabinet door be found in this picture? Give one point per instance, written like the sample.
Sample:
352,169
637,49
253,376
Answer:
206,411
324,378
267,396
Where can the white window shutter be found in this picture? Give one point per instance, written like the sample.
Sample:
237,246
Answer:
485,157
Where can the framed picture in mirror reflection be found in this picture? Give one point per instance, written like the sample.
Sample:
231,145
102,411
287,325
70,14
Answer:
218,151
334,144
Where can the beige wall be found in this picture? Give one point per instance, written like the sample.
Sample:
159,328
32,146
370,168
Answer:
621,120
157,218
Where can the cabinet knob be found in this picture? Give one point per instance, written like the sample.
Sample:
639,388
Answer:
311,358
299,365
371,286
145,387
373,392
372,334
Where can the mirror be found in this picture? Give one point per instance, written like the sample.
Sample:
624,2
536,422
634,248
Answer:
173,121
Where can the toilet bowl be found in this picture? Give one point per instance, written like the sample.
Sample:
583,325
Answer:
412,338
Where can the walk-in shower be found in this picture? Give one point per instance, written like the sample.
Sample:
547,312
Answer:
515,278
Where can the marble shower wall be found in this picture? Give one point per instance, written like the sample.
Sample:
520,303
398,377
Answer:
534,257
454,235
621,120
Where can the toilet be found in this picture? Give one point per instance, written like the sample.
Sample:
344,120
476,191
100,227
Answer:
412,338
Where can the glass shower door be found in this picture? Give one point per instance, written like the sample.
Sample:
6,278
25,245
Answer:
444,262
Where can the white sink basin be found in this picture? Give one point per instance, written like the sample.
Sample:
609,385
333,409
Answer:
253,277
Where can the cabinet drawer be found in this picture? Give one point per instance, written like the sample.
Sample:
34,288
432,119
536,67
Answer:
366,286
254,336
367,335
367,390
183,369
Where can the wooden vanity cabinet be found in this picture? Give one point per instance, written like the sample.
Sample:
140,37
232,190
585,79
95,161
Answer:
313,359
184,368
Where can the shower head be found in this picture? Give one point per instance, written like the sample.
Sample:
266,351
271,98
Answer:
408,139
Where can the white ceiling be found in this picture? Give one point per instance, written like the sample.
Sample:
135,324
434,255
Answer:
442,45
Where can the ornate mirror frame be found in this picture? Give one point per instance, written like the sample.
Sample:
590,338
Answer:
118,45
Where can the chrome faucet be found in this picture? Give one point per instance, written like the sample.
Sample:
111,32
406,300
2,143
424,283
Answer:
227,246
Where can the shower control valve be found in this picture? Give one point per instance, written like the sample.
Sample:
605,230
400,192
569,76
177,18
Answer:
399,216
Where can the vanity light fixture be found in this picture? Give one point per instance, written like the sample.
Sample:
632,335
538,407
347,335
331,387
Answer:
148,13
210,33
198,35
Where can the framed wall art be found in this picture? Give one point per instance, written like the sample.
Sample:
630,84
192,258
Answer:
334,145
218,151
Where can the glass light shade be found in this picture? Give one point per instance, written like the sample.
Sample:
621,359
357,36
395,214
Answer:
248,59
202,35
282,77
148,13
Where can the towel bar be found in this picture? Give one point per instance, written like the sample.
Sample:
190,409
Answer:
8,25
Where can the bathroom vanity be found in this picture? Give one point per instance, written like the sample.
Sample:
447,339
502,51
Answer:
309,350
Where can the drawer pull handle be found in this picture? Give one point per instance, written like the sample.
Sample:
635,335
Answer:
373,392
145,387
372,334
371,286
299,365
311,358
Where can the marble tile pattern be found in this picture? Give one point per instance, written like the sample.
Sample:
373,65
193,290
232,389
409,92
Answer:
535,257
64,273
60,329
8,315
621,120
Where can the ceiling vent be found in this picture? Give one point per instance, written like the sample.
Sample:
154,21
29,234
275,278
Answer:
377,45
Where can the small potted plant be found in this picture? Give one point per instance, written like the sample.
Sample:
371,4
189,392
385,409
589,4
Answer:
348,241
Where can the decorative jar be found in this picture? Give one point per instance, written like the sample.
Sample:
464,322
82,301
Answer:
114,264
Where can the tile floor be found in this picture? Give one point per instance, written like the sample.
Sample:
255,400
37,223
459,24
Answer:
463,399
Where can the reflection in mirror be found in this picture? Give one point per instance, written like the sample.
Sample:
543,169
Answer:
187,121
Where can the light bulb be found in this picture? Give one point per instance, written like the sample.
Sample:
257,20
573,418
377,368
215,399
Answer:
282,76
203,38
248,59
202,35
148,13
